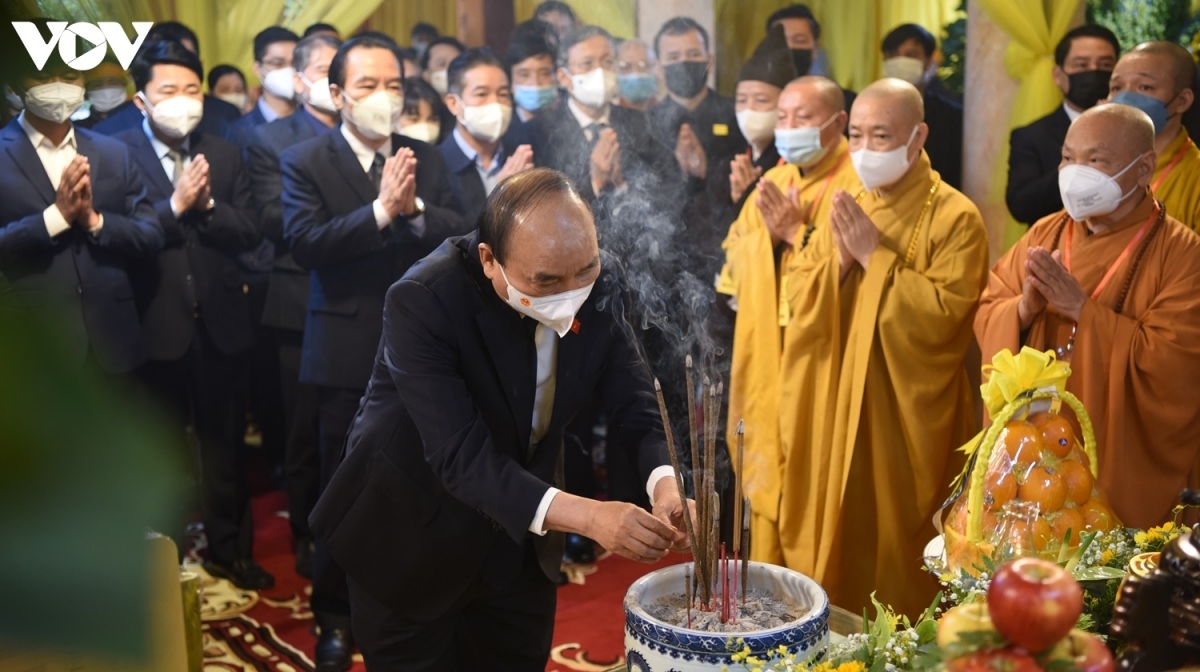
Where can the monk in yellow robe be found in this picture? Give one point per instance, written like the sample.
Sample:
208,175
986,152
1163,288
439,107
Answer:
1113,284
1157,77
761,247
879,396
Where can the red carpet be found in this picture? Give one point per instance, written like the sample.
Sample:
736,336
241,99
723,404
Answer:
276,633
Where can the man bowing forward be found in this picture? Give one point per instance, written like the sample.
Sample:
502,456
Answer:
440,509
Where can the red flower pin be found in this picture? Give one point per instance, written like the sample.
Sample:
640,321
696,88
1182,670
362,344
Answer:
575,327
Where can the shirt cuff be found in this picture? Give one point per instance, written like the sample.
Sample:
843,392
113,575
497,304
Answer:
657,475
381,216
55,222
417,225
539,517
174,210
95,231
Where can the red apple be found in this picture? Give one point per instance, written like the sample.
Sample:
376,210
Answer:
964,618
1084,652
1034,603
994,660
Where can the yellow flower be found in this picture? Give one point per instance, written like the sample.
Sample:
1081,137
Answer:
823,667
781,650
852,666
1167,526
1140,539
1107,556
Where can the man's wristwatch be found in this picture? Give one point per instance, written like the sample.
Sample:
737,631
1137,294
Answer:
209,206
418,208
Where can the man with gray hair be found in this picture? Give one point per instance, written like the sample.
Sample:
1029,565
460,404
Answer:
602,147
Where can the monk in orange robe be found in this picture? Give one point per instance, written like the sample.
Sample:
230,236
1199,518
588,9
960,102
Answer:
1112,284
1157,77
881,313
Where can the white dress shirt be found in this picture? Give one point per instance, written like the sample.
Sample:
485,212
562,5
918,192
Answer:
1071,113
268,113
585,120
163,151
55,158
546,342
366,157
490,176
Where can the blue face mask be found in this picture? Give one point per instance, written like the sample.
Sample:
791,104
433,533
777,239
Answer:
1153,107
637,87
534,98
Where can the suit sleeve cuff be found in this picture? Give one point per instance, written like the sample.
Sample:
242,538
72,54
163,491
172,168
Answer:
657,475
55,222
381,216
417,225
539,517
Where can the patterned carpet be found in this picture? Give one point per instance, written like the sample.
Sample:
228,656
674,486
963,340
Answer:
271,631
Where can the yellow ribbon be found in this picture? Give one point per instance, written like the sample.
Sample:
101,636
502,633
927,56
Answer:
1010,376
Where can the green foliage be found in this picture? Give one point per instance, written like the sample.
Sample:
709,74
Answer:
1137,21
953,71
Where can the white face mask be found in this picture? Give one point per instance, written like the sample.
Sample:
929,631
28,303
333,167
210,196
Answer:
176,116
486,122
1088,192
758,127
238,100
279,82
376,115
107,98
801,146
881,169
594,88
14,101
556,311
425,131
319,95
55,101
439,82
910,70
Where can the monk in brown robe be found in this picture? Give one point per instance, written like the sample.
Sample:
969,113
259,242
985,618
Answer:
1112,284
877,397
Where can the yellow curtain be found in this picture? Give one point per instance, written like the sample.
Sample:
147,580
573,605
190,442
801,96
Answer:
397,17
851,32
618,17
345,15
1034,28
91,11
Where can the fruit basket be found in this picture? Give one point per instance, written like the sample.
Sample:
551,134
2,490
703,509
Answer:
1029,488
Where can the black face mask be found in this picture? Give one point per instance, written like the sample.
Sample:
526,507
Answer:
686,79
802,60
1086,88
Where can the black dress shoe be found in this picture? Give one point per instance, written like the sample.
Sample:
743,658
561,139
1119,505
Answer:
580,550
304,558
245,574
334,648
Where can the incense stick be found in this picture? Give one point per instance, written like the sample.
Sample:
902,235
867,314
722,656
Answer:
745,522
687,516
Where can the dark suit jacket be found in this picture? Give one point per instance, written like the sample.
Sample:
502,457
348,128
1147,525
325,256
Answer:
330,226
82,280
287,290
436,487
217,115
945,144
645,162
197,265
469,192
241,131
1034,154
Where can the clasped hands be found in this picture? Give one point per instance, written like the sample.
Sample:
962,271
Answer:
74,194
605,162
1048,284
398,184
193,189
854,234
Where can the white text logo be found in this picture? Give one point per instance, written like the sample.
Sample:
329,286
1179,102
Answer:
103,35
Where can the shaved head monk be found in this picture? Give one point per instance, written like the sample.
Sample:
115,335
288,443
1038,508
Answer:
1113,285
775,223
880,306
1157,78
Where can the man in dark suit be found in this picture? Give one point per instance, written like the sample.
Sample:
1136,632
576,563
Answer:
193,306
74,216
908,54
603,148
273,56
1084,60
530,58
440,510
286,303
360,205
218,114
477,155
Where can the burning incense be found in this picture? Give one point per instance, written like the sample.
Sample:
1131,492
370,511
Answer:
687,516
737,486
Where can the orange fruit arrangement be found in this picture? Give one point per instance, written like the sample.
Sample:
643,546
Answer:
1039,495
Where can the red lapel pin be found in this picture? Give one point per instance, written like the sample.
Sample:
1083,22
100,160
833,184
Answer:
575,327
